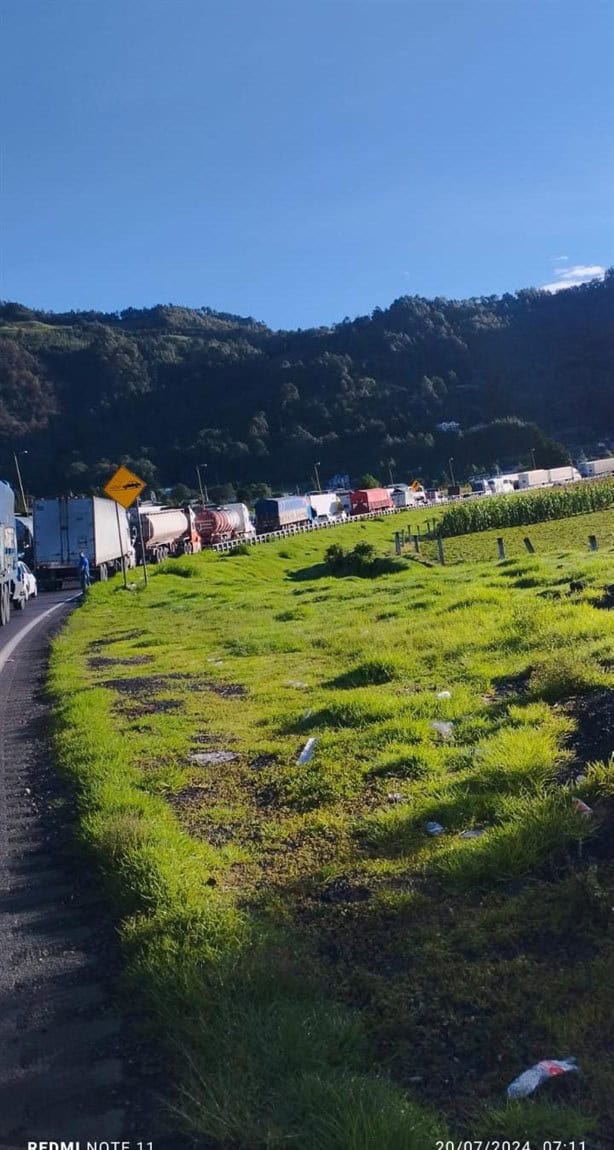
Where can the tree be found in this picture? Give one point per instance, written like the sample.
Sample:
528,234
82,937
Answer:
369,481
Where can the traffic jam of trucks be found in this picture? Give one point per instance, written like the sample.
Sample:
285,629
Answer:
61,530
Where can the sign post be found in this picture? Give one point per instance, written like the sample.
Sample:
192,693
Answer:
125,487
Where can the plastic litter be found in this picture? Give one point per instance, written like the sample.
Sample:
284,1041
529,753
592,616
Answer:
527,1082
295,683
444,729
204,758
306,715
395,797
583,808
307,752
475,833
580,779
433,828
444,694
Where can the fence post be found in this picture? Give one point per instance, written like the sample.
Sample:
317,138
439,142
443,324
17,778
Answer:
397,542
417,544
440,550
592,542
529,546
501,547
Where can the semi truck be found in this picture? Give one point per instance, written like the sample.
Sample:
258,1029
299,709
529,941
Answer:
287,511
597,468
370,499
66,526
325,506
9,584
563,475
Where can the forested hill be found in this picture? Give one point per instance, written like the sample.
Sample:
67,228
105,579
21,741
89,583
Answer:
165,388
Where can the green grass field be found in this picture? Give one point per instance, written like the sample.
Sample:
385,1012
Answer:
319,971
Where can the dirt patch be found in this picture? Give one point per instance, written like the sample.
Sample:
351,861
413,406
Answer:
228,690
121,637
511,686
99,662
140,707
138,685
342,890
593,739
204,740
261,762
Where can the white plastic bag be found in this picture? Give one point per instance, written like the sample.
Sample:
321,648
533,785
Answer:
527,1082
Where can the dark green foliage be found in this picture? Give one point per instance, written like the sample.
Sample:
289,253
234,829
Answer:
166,388
361,560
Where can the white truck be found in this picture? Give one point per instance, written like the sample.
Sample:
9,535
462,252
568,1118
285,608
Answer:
563,475
66,526
325,506
10,588
540,477
597,468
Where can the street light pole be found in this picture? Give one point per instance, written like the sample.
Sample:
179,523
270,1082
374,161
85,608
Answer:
533,458
450,462
23,498
390,472
317,475
204,495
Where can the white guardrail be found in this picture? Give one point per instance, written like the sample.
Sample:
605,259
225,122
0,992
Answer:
301,528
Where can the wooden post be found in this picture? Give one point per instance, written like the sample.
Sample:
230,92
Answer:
501,547
417,544
529,546
592,542
397,542
440,550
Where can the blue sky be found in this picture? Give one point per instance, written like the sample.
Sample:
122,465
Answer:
302,160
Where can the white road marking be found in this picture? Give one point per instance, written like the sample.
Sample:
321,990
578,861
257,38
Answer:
6,653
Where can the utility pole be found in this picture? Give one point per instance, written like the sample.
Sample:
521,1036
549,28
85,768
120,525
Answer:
390,462
533,458
317,476
450,462
23,498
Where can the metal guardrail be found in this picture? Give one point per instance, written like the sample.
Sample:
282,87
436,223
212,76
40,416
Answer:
300,529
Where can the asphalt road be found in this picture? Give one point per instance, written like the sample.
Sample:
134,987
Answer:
67,1062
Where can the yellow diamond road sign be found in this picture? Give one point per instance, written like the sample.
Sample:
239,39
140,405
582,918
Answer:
124,487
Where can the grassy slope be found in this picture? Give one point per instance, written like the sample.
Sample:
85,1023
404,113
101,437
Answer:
301,932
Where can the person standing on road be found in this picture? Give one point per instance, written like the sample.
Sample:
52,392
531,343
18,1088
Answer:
84,571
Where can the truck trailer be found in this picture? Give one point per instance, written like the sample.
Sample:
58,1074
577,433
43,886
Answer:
325,506
66,526
286,511
597,468
540,477
370,499
8,554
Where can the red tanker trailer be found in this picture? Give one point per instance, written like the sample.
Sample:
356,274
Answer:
218,524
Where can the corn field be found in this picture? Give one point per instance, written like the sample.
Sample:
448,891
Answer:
532,507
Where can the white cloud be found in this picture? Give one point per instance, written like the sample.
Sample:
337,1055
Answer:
559,259
571,277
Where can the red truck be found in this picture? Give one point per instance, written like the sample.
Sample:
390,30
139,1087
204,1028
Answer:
371,499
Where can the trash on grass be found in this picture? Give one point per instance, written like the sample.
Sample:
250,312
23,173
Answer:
205,758
307,752
444,694
583,808
474,833
295,683
444,729
527,1082
395,797
433,828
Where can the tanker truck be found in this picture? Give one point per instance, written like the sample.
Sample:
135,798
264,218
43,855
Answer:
219,524
166,532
